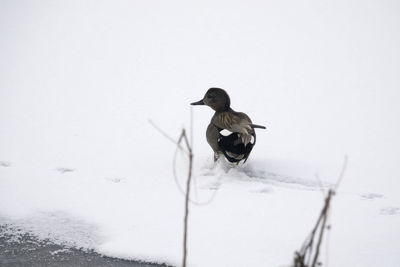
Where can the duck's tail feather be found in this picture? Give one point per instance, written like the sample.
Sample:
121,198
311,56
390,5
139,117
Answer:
257,126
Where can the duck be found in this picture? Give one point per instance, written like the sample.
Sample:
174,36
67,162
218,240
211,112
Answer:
241,138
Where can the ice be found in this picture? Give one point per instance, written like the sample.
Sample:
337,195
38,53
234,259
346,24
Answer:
57,227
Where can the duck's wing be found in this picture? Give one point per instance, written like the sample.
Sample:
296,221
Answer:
235,122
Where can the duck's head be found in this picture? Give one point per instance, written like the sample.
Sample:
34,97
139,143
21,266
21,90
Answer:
215,98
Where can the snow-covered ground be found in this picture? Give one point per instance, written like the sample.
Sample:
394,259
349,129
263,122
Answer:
80,163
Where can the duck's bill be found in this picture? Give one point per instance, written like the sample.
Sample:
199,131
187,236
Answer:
201,102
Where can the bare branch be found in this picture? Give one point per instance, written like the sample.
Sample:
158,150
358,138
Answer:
187,148
186,217
321,232
309,252
167,136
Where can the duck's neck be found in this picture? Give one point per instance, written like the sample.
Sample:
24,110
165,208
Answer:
224,109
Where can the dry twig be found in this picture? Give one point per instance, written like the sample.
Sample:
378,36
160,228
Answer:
186,217
182,144
309,252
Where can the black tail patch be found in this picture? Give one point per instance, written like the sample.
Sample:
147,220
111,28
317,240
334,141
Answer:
227,145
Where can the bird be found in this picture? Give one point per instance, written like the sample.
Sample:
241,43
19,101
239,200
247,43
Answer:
238,144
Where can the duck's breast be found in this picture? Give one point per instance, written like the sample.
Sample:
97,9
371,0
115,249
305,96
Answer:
212,135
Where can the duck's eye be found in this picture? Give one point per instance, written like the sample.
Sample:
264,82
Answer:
209,96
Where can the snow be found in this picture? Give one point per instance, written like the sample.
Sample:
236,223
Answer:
81,165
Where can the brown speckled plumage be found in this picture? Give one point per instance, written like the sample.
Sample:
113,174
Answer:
238,146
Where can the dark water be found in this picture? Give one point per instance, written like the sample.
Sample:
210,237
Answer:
22,249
